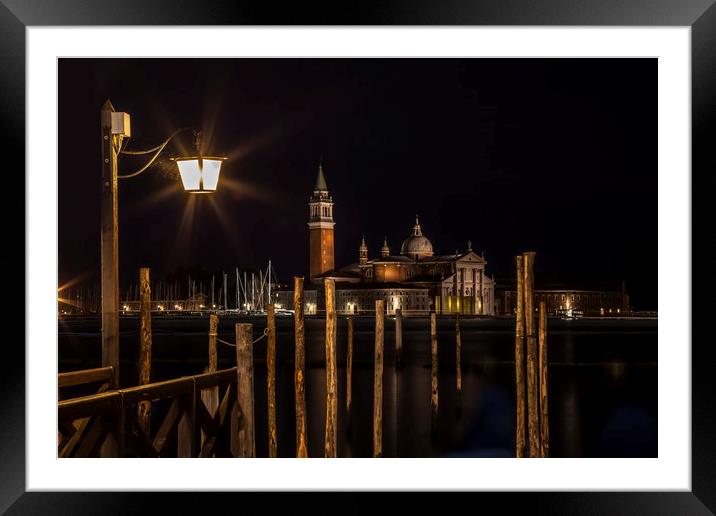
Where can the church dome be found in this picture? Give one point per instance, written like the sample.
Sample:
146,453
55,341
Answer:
416,245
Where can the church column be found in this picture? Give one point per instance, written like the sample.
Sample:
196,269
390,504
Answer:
454,290
480,298
474,291
462,290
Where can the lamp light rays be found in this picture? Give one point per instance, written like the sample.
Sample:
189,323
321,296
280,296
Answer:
156,197
74,281
241,190
229,227
69,302
186,226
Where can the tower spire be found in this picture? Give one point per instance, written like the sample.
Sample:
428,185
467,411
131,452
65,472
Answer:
385,251
363,252
321,179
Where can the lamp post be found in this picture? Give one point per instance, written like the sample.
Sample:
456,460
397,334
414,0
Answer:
199,174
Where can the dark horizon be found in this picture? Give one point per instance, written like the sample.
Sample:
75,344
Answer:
557,156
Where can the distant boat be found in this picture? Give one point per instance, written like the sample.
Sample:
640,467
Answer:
570,313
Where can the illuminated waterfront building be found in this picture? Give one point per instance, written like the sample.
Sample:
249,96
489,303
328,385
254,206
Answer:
416,280
592,299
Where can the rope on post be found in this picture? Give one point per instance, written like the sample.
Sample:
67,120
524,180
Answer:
265,333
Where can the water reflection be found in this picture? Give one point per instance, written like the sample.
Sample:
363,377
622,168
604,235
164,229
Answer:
602,384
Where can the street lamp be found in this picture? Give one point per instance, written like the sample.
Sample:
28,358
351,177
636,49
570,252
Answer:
199,174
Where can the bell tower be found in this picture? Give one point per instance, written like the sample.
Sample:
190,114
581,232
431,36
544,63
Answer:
320,228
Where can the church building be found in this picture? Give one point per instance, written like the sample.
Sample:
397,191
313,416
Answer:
415,281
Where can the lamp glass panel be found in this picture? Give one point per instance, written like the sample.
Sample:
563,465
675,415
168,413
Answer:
190,173
211,173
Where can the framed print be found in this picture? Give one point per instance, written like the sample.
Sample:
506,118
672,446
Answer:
407,249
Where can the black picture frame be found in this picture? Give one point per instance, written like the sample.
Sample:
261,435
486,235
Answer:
700,15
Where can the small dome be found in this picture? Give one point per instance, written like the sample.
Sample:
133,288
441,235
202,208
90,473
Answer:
416,246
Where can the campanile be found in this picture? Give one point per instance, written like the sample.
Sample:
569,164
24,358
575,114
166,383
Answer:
320,228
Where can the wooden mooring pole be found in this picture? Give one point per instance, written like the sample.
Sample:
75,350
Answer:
434,369
210,397
213,334
458,352
271,379
144,408
299,368
349,368
398,336
331,371
543,393
378,379
520,374
532,365
245,386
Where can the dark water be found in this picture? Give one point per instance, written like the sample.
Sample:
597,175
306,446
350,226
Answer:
602,383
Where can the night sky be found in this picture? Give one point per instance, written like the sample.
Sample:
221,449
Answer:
558,156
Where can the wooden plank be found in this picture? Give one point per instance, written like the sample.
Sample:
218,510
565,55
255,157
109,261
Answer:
144,408
271,379
84,406
91,439
245,372
543,391
186,428
226,404
158,390
532,366
144,446
378,379
300,368
520,369
205,420
72,378
75,437
169,423
208,448
208,380
331,371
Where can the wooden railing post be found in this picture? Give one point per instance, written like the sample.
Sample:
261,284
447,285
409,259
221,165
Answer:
331,372
299,368
271,379
144,409
520,374
378,379
245,388
434,369
532,366
398,336
543,392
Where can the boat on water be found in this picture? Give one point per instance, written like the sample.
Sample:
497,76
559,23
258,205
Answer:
570,313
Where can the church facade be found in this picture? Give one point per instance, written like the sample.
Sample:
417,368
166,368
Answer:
416,280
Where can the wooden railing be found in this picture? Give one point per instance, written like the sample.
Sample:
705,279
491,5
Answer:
186,427
78,381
